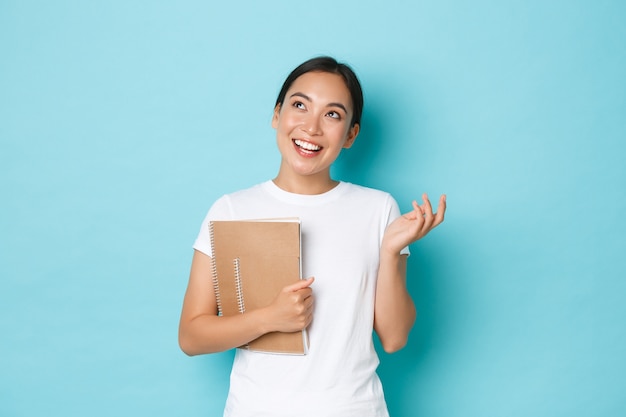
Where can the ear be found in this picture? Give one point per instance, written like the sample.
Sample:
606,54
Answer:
352,134
275,116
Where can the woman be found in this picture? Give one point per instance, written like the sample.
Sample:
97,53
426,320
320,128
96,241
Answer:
354,253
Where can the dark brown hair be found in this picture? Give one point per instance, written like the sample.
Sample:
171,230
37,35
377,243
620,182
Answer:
330,65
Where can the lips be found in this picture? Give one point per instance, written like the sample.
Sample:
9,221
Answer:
306,147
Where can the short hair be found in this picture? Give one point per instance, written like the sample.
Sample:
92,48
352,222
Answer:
330,65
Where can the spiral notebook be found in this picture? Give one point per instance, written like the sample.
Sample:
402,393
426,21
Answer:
252,261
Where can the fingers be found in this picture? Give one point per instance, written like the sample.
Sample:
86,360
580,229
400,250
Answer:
441,210
303,283
426,207
302,307
441,207
431,219
301,292
413,225
428,212
292,309
418,210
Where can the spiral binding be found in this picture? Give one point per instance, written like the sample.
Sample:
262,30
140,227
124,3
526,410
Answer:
239,287
216,287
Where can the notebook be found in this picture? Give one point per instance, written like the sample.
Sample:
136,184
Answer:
252,261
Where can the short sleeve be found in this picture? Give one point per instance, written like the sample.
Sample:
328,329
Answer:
220,210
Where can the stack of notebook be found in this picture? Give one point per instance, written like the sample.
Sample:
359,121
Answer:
252,261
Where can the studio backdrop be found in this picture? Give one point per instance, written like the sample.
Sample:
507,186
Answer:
122,121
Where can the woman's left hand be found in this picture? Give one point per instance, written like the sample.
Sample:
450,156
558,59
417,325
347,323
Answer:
413,225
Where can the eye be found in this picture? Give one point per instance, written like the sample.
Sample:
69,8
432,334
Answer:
334,115
298,105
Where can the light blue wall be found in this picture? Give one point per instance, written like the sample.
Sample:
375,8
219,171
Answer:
121,122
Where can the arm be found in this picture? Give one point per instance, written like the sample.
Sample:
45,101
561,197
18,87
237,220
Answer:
394,311
201,330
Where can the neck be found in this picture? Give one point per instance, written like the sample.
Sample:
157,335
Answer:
307,185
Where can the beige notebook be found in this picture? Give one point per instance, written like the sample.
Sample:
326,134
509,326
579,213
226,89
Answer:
252,261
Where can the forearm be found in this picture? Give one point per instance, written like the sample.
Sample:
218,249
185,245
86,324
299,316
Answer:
210,333
394,311
201,330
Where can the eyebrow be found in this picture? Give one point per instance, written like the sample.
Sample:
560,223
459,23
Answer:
304,96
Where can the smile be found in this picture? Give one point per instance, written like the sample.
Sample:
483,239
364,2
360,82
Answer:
307,146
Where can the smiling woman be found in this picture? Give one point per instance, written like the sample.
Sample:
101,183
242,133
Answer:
317,114
312,127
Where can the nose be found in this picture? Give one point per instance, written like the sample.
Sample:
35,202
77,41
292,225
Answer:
312,126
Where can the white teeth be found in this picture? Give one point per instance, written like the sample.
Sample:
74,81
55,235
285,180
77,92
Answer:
307,145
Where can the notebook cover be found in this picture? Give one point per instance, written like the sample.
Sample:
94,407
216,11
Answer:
252,261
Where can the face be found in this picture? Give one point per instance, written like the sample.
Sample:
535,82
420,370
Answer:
313,124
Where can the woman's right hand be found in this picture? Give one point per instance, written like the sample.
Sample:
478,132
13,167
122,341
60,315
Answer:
292,309
202,331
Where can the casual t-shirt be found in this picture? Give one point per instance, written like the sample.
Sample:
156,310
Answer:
342,231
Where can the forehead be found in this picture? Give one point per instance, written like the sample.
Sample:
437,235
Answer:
322,86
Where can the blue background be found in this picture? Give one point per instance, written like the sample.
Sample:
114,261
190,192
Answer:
122,121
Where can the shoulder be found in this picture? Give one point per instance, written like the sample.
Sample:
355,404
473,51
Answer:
372,194
373,200
222,208
245,192
252,192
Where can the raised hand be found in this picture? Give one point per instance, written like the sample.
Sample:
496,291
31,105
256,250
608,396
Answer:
413,225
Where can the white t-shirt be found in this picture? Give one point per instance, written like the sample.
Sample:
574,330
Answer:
342,230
